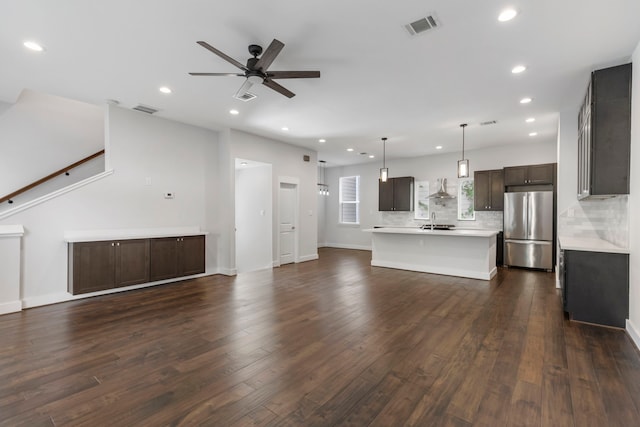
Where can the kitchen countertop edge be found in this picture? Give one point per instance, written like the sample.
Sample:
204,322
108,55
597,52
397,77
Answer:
589,244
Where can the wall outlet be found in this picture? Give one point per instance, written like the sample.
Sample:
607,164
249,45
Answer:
169,195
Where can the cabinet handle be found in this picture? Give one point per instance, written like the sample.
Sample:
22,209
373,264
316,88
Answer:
113,244
118,244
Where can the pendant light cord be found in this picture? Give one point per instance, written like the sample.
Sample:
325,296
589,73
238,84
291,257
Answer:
384,152
463,125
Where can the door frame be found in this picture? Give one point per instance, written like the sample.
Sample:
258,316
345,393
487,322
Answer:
296,218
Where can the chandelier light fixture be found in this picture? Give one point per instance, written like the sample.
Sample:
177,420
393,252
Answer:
384,171
463,165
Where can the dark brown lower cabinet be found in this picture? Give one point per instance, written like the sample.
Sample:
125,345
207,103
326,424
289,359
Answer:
97,266
176,256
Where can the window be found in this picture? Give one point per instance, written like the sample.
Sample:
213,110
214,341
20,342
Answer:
349,200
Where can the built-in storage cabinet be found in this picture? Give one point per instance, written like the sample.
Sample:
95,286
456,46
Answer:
596,286
176,256
529,175
101,265
604,134
96,266
488,190
396,194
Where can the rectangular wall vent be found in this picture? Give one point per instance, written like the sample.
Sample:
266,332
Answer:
247,96
423,24
145,109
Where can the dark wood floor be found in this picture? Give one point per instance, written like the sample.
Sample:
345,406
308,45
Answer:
328,342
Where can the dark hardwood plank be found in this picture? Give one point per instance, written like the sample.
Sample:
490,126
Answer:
332,342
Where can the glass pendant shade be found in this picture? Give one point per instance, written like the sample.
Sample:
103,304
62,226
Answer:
463,168
384,174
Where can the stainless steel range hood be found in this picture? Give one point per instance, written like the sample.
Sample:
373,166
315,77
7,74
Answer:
442,191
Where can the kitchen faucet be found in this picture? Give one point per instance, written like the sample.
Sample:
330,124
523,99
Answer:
433,219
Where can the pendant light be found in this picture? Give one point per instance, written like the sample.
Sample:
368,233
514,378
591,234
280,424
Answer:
384,171
463,165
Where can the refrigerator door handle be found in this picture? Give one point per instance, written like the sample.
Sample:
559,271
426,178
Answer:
528,242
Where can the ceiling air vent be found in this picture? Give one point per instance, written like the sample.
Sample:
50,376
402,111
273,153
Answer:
490,122
145,109
247,96
423,24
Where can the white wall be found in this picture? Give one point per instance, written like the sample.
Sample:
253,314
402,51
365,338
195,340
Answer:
150,156
286,161
634,205
427,168
254,215
41,134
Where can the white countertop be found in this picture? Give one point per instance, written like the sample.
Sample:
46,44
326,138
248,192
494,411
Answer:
130,233
417,231
590,244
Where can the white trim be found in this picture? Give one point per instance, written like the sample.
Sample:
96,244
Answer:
633,333
11,231
348,246
436,270
275,263
228,271
54,194
65,296
10,307
306,258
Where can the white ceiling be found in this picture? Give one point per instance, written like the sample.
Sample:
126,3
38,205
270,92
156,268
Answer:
376,79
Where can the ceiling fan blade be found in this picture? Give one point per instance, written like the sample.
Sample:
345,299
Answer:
223,55
278,88
216,74
244,88
269,55
293,74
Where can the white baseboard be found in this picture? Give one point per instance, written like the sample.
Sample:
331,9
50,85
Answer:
65,296
448,271
633,333
10,307
348,246
306,258
228,271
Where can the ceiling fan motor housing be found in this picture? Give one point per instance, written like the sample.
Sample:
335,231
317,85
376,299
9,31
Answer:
255,50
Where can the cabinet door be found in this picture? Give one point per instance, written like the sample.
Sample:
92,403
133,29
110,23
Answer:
132,262
191,255
93,267
540,174
597,287
482,190
497,190
163,263
403,193
385,195
515,175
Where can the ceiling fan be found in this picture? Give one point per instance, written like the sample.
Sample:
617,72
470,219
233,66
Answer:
256,69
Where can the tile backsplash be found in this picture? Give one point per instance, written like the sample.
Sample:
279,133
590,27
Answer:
607,219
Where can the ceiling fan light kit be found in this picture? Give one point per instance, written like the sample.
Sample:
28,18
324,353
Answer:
255,71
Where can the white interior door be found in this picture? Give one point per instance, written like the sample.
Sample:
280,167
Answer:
287,222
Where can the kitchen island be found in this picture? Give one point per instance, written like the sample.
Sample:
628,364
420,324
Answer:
464,253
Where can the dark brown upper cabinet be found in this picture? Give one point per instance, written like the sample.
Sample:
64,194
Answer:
488,190
529,175
604,134
396,194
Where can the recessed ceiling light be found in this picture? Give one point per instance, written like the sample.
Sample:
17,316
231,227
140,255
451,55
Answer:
243,163
518,69
530,120
371,156
165,89
533,133
525,100
284,128
507,15
322,141
234,112
349,149
33,46
438,147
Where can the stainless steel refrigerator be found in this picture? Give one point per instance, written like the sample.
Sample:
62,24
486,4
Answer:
528,229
